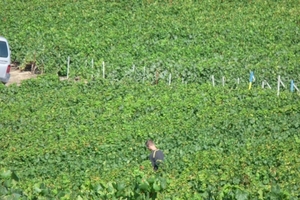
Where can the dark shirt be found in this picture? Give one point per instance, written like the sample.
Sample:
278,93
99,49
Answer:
156,157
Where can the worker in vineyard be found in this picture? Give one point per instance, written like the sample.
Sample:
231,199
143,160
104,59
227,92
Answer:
156,156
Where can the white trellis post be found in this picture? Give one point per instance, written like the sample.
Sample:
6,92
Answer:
223,81
103,70
213,80
278,85
170,76
296,88
264,82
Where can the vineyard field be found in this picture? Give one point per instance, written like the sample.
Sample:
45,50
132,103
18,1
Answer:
112,74
183,37
66,140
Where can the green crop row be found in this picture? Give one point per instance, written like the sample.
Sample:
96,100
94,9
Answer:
66,140
221,38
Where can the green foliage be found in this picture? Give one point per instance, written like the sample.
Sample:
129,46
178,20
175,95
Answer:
190,39
85,139
69,140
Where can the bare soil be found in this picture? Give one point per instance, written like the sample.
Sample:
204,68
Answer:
17,76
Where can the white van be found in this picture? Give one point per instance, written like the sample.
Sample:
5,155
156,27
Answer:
5,61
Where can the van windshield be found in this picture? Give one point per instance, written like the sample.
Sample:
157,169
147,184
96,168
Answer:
3,49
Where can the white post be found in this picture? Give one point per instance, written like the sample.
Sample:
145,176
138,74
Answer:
213,80
263,84
103,70
282,83
170,76
278,85
68,67
296,88
223,81
238,80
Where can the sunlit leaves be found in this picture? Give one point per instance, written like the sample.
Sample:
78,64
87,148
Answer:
73,132
228,38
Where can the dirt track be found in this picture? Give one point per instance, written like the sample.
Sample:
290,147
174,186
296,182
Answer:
16,76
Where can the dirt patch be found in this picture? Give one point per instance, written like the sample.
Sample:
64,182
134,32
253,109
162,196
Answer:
17,76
